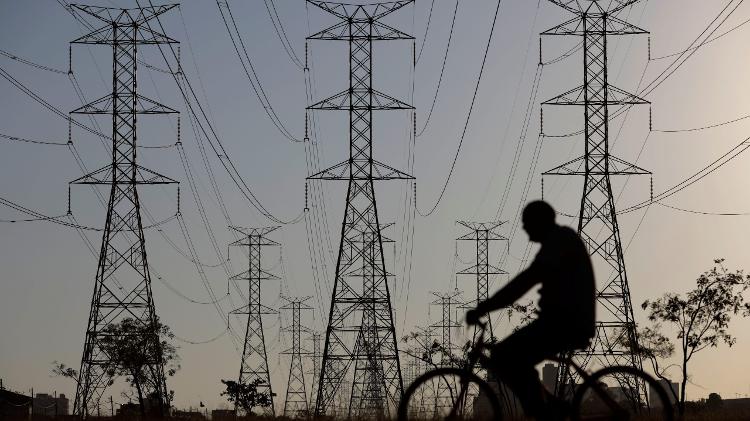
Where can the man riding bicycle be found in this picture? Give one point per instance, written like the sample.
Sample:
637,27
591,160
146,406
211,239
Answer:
567,304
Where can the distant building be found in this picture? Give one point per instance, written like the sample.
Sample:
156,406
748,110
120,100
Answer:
48,405
188,415
549,376
223,414
668,387
14,406
738,404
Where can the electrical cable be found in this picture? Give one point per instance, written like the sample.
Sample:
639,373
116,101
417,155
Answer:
705,43
711,126
281,33
697,212
426,31
201,342
224,158
38,142
697,176
442,71
468,116
254,79
31,63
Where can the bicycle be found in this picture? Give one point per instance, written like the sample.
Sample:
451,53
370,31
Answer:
457,393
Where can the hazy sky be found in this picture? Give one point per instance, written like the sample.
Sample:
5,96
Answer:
47,272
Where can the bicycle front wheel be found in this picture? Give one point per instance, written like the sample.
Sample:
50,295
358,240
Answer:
622,393
449,394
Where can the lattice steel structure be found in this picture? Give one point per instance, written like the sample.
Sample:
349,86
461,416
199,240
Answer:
316,356
616,338
360,329
295,403
448,303
122,288
254,364
481,233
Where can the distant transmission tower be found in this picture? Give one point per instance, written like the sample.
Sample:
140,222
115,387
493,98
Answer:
448,302
616,339
316,355
295,403
254,365
481,234
360,326
122,289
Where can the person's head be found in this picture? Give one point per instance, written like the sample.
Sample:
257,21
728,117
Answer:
538,220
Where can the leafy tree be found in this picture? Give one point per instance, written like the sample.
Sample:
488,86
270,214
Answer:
134,349
246,395
714,401
61,370
700,318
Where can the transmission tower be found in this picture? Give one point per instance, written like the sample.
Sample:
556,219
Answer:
254,365
616,340
316,356
448,303
295,403
122,289
481,233
360,327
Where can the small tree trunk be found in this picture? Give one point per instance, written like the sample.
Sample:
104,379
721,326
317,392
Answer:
682,387
141,403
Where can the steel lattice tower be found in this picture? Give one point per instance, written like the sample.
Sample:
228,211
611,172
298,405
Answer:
360,326
122,287
616,338
295,403
448,304
254,363
316,356
481,234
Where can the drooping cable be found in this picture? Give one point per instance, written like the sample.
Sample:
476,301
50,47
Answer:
468,116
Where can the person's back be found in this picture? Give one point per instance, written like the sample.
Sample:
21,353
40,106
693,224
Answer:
567,299
566,307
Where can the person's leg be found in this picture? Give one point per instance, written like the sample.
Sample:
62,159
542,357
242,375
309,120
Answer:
514,359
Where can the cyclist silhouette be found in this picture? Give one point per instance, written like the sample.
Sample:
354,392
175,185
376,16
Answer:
566,319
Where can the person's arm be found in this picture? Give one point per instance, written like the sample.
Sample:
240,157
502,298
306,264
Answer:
514,290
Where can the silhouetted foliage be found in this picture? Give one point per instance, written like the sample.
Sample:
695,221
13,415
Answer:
61,370
700,318
133,348
246,396
714,401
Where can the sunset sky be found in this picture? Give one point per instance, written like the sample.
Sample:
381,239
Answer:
47,271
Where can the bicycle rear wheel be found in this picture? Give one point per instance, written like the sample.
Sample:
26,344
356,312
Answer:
617,393
449,394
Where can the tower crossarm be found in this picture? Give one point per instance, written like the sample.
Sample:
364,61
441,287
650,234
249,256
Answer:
360,12
582,6
616,166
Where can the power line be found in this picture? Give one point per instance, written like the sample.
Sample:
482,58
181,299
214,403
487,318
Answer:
249,68
281,33
426,31
442,71
31,63
705,43
698,212
215,142
38,142
468,117
710,126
